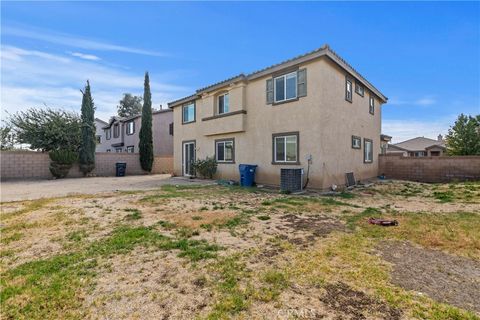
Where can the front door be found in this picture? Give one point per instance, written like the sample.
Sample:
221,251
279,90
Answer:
188,158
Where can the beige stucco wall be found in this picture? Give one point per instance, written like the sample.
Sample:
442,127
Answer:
324,119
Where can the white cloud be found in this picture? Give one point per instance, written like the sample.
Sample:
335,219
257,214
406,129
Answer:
33,78
85,56
402,130
423,101
73,41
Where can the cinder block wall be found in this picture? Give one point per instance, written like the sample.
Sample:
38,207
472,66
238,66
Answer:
430,169
34,165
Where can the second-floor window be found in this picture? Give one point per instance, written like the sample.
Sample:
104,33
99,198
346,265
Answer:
116,131
130,127
170,129
371,108
356,142
348,89
188,112
108,134
285,87
99,139
223,103
359,89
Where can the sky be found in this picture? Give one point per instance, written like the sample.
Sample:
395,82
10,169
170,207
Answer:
424,56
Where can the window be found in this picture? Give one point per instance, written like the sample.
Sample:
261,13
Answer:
170,129
356,142
224,150
189,112
348,89
371,108
116,131
99,139
118,150
223,103
418,154
359,89
108,150
130,149
285,148
108,134
367,150
285,87
130,127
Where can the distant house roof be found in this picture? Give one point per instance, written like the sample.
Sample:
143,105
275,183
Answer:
124,119
419,144
100,120
322,51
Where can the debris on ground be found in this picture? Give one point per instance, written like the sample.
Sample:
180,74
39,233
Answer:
383,222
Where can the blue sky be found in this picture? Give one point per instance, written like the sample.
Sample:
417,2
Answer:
424,56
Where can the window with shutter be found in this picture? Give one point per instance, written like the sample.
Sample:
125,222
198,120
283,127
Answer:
372,105
269,90
302,82
348,89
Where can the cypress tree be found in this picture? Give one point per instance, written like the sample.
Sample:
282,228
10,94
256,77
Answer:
146,138
88,144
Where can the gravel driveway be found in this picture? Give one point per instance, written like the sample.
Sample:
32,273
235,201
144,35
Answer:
34,189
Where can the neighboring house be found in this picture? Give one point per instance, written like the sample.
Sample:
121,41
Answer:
384,141
121,134
100,135
419,147
314,108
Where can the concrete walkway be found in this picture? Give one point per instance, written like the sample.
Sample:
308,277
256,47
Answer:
34,189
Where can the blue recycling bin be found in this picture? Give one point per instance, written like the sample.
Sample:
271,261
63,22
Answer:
247,174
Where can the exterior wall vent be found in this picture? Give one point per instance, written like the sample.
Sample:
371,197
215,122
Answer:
291,180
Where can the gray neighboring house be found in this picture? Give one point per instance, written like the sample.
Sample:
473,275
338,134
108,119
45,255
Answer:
100,135
419,147
121,134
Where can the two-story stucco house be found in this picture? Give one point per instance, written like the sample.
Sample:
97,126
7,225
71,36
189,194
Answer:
121,134
313,112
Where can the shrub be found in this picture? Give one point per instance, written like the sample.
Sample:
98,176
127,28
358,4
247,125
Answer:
206,168
62,161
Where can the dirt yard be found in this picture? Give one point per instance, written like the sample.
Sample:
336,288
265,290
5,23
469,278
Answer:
213,252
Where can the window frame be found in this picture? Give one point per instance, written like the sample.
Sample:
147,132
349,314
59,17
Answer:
128,148
358,88
218,141
127,128
194,112
347,81
108,134
359,139
371,105
224,94
365,160
284,76
116,130
284,135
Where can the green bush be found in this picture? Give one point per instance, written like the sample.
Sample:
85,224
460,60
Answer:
206,168
62,161
62,156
